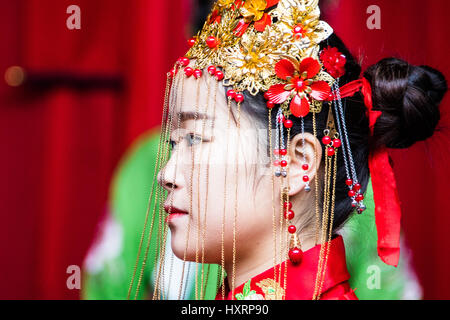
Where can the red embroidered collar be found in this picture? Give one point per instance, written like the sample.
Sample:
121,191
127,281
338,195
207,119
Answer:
301,279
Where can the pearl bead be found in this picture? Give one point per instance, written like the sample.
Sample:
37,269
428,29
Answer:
188,71
326,140
231,94
239,97
289,215
331,151
287,205
288,123
219,75
212,42
212,70
337,143
191,42
295,255
184,61
197,73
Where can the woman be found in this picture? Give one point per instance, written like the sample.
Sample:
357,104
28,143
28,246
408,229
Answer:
273,139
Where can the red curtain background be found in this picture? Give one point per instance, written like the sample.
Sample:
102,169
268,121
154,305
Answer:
91,92
416,31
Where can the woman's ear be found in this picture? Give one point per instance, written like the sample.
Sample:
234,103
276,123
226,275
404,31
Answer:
300,155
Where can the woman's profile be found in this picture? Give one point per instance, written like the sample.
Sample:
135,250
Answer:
271,132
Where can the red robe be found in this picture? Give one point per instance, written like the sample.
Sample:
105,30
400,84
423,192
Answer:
301,279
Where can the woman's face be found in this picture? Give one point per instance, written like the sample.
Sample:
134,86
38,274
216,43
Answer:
216,180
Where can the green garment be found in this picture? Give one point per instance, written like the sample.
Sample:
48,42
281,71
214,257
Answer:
108,271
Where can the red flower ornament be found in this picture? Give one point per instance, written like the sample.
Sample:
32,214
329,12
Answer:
333,61
300,86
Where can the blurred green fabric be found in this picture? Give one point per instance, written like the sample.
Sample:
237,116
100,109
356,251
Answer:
107,275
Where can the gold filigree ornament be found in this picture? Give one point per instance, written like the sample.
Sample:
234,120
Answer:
272,289
247,38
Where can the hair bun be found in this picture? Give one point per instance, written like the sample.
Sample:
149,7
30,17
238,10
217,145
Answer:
409,98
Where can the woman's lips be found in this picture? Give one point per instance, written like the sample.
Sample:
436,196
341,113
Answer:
174,213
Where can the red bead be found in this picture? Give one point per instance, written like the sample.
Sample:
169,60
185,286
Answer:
331,151
283,152
288,123
357,187
197,73
305,178
284,163
287,205
172,72
266,96
359,197
188,71
212,70
305,167
276,163
298,29
337,143
231,94
270,104
184,61
295,255
219,75
191,42
289,215
212,42
239,97
326,140
276,152
351,193
349,182
292,229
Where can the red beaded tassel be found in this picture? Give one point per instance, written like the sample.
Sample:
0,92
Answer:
295,251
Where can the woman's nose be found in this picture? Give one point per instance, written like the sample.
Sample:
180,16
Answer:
166,177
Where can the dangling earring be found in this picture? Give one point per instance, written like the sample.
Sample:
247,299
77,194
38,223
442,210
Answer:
295,251
352,179
280,150
305,165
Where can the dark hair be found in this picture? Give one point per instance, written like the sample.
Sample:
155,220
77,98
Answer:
408,97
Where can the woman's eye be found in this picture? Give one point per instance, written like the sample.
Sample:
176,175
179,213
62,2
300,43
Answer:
193,139
172,144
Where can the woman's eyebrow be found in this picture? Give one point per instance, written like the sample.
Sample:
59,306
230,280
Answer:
189,115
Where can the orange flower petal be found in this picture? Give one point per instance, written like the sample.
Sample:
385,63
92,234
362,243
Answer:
299,107
311,66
